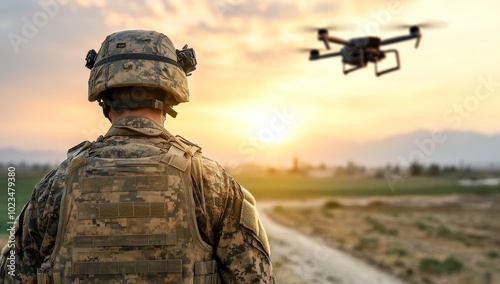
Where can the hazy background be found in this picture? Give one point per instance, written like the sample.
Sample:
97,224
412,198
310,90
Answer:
253,99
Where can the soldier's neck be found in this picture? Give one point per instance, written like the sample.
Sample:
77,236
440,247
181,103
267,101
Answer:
154,115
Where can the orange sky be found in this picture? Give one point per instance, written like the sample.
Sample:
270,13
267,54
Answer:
252,97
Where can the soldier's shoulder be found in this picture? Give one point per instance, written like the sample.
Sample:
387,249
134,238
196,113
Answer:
211,170
211,166
190,147
186,141
79,148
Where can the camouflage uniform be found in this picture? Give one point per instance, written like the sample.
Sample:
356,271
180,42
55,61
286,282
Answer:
239,246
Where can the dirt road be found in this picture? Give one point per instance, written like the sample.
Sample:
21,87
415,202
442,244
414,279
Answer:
307,260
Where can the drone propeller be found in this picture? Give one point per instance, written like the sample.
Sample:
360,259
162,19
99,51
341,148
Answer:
429,24
336,27
306,50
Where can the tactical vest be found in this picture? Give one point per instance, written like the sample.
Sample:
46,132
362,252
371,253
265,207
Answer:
129,221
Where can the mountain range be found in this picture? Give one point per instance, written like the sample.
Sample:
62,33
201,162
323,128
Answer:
445,148
16,156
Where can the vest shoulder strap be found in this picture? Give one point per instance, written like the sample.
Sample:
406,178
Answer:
77,149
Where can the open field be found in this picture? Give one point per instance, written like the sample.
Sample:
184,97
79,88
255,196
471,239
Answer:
442,243
294,187
453,241
25,181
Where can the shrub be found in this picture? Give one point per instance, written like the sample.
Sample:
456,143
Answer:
430,265
422,226
492,254
332,204
367,243
452,265
449,265
443,231
396,251
379,227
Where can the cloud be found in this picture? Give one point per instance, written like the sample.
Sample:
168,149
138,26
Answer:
269,10
242,48
325,7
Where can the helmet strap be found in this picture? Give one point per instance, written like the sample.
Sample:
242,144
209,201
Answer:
105,109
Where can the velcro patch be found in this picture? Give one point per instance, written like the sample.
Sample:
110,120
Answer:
249,218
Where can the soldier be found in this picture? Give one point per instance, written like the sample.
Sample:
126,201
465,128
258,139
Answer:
138,205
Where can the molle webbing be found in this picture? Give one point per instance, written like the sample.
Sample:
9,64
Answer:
121,210
205,272
128,267
126,240
106,183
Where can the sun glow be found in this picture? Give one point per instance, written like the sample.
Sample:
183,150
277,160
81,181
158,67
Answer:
265,124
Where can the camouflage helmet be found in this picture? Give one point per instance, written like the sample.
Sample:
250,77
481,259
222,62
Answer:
138,58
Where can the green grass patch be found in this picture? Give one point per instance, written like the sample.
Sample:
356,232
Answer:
381,228
24,183
435,266
492,254
443,231
423,226
369,243
396,251
295,187
468,240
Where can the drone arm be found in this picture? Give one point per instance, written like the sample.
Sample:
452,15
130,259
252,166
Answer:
337,40
325,38
316,57
401,38
327,45
418,41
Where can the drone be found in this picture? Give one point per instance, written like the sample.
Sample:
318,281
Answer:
358,52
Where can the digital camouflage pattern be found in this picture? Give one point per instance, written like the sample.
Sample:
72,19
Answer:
224,212
131,220
144,73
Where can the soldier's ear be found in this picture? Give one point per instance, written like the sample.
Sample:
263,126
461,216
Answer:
109,114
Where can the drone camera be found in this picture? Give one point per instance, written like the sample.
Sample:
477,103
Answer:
90,59
187,59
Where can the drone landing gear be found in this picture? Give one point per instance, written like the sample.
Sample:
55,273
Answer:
390,69
352,69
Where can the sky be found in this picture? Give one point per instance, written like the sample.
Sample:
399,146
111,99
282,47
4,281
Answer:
253,97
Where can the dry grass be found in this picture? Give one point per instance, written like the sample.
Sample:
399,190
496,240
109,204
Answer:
442,244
